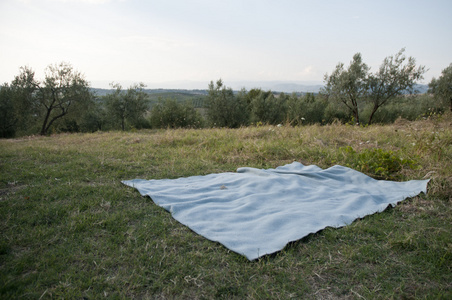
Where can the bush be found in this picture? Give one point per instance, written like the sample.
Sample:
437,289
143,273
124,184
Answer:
224,109
8,119
172,114
93,121
335,112
377,162
268,109
410,107
307,109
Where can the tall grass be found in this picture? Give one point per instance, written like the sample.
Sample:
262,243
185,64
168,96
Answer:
70,229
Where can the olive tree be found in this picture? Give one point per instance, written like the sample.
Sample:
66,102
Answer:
393,78
52,98
348,85
224,109
128,107
441,88
305,109
27,108
268,109
354,85
8,115
169,113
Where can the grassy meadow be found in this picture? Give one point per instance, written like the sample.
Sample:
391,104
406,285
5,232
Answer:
70,229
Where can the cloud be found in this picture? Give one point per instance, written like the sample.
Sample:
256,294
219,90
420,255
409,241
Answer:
307,70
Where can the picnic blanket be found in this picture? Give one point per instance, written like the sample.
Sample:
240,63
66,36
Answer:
255,212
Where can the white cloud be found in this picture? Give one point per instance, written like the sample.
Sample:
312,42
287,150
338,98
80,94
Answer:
307,71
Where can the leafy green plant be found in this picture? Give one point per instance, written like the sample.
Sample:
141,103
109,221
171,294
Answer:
169,113
384,164
266,108
224,109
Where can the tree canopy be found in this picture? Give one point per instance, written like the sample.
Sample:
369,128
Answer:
356,84
8,115
170,113
349,85
442,87
54,96
392,79
223,108
128,107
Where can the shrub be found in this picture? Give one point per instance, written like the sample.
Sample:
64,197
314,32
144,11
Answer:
268,109
307,109
380,163
172,114
8,119
333,111
224,109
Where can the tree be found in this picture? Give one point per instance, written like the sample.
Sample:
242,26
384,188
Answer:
224,109
442,87
348,86
172,114
166,113
94,118
393,79
353,85
306,109
266,108
53,97
129,107
27,108
8,116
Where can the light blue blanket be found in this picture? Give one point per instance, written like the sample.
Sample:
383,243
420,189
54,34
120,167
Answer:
255,212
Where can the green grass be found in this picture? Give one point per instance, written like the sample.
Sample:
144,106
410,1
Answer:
70,229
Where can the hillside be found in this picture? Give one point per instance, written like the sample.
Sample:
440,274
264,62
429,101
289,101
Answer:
103,92
275,86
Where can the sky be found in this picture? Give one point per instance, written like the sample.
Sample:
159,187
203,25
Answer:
188,43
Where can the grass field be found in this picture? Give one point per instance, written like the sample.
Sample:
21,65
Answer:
70,229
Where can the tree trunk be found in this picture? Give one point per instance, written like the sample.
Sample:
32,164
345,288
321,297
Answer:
44,124
53,120
355,110
374,110
356,116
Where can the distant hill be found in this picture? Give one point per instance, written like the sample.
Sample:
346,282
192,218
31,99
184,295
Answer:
421,88
195,96
277,86
315,88
295,88
274,86
103,92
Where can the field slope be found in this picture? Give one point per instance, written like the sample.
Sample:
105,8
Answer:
70,229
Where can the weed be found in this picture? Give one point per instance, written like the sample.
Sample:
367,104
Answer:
382,164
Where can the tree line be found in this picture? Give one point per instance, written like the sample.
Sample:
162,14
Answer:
64,102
